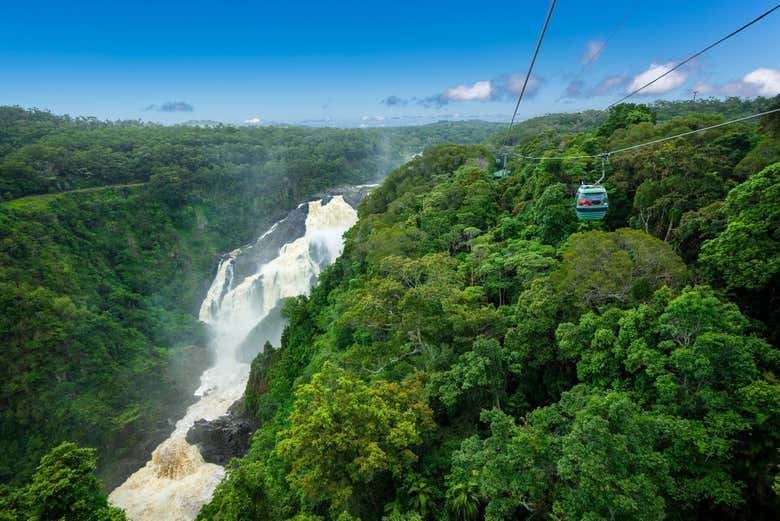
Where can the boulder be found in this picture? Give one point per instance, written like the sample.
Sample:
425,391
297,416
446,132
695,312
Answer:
226,437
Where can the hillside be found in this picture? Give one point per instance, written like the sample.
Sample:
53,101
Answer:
102,272
477,352
44,153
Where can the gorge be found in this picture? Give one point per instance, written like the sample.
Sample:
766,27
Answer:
242,311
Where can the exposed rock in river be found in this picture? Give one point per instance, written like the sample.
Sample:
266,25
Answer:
226,437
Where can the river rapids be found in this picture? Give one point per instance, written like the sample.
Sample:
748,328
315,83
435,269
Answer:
242,304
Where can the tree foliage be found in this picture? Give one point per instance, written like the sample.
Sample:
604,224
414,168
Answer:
746,254
572,370
64,487
345,434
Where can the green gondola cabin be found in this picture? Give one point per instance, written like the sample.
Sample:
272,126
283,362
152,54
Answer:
591,203
500,174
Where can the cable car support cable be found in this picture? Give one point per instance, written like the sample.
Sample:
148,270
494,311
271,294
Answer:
648,143
531,67
696,55
592,201
503,172
635,91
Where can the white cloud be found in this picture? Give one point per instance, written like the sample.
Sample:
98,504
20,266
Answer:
481,90
593,49
668,83
253,121
765,81
502,88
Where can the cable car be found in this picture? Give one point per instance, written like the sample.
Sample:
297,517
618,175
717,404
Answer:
591,203
500,174
503,172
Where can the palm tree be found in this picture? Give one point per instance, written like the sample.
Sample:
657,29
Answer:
463,501
421,496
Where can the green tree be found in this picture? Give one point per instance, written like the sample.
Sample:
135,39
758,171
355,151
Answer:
506,269
64,487
616,267
600,448
246,499
478,374
625,114
692,361
420,495
747,253
463,501
344,433
553,214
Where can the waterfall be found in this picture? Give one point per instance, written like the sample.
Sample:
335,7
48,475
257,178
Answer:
246,292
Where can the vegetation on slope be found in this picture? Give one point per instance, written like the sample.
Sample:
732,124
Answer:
100,285
63,487
42,153
477,352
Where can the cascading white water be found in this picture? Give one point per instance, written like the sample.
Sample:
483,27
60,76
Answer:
176,482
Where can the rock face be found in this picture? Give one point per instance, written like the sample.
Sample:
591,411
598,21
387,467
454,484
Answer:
224,438
352,194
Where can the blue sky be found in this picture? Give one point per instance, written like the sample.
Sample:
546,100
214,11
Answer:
372,63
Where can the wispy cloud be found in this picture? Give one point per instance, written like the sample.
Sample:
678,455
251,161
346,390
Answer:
372,121
763,81
574,89
253,121
666,84
394,101
172,106
704,88
609,85
420,118
510,87
592,51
